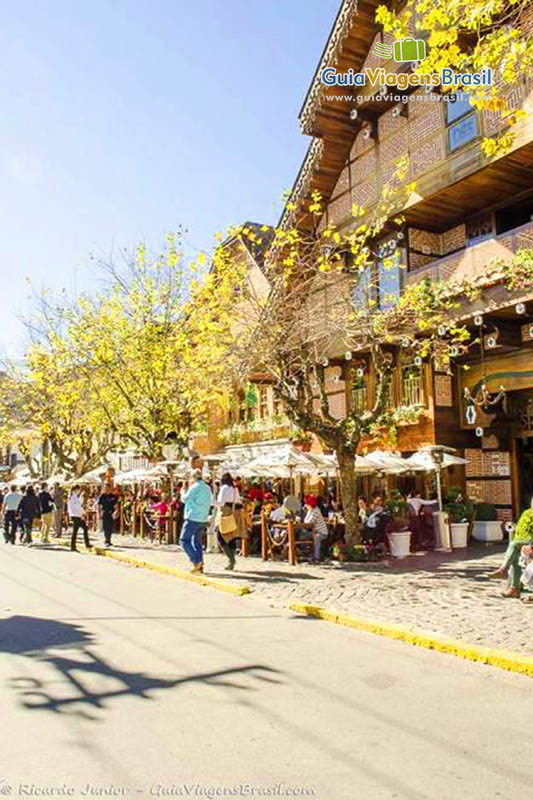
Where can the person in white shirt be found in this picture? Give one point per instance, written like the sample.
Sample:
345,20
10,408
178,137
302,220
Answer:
229,502
10,506
416,502
76,513
317,524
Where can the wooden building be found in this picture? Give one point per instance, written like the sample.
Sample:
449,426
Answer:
466,211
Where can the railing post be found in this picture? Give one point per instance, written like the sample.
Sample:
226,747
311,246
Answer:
292,543
170,530
247,520
264,537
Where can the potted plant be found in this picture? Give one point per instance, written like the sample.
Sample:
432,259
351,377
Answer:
487,527
399,533
339,551
460,514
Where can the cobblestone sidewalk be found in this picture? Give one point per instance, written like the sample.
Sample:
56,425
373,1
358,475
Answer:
443,593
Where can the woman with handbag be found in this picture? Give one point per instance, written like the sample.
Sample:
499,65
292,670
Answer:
230,520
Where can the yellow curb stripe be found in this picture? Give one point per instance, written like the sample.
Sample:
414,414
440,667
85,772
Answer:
213,583
503,659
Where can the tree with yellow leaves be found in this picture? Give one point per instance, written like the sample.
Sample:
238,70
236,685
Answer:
136,364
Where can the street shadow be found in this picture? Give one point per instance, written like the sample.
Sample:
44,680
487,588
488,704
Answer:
265,576
87,682
431,562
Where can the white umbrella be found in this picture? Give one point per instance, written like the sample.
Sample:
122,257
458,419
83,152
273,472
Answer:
94,475
422,460
58,477
384,461
289,457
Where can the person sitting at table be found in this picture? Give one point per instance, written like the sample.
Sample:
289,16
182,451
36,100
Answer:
362,512
315,522
512,562
161,509
372,526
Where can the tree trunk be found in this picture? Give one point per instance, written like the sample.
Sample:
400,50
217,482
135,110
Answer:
349,494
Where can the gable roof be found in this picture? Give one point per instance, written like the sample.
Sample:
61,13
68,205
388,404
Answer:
347,46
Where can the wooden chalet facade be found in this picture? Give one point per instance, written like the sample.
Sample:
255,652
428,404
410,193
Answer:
465,212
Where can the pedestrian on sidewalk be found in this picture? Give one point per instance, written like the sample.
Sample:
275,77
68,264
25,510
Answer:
29,509
108,503
198,501
230,507
76,513
10,506
58,497
47,512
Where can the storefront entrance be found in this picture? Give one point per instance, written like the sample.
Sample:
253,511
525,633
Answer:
525,470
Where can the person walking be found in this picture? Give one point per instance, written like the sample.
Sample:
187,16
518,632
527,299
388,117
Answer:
47,512
230,505
58,498
76,513
198,501
29,509
108,504
10,506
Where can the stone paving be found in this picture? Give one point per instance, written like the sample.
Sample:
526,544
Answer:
443,593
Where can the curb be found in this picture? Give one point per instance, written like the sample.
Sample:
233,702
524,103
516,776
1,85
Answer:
502,659
212,583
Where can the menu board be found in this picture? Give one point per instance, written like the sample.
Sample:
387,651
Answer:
498,493
488,464
485,466
443,391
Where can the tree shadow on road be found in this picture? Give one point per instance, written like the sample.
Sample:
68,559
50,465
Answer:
69,649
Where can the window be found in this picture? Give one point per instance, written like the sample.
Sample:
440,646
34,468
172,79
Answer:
359,389
263,402
412,394
478,229
278,406
389,279
461,121
457,105
363,288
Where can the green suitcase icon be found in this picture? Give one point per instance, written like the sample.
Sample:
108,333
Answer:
410,50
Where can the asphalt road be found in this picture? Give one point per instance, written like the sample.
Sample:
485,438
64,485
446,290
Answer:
123,683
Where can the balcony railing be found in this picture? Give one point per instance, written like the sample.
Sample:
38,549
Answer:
472,262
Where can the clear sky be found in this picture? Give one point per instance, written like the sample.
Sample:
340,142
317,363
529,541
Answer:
122,119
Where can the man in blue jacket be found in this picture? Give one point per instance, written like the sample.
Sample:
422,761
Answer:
198,501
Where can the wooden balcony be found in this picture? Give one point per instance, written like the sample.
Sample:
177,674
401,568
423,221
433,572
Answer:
472,262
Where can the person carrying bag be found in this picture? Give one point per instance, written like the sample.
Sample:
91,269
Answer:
230,521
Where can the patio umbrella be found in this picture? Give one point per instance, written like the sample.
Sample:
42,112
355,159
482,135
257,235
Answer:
94,475
422,459
390,463
435,458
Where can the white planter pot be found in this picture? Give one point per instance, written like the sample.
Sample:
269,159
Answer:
400,544
459,531
488,531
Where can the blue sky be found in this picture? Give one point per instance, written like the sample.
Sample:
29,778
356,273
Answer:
122,119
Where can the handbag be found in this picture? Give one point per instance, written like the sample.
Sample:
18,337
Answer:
227,524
